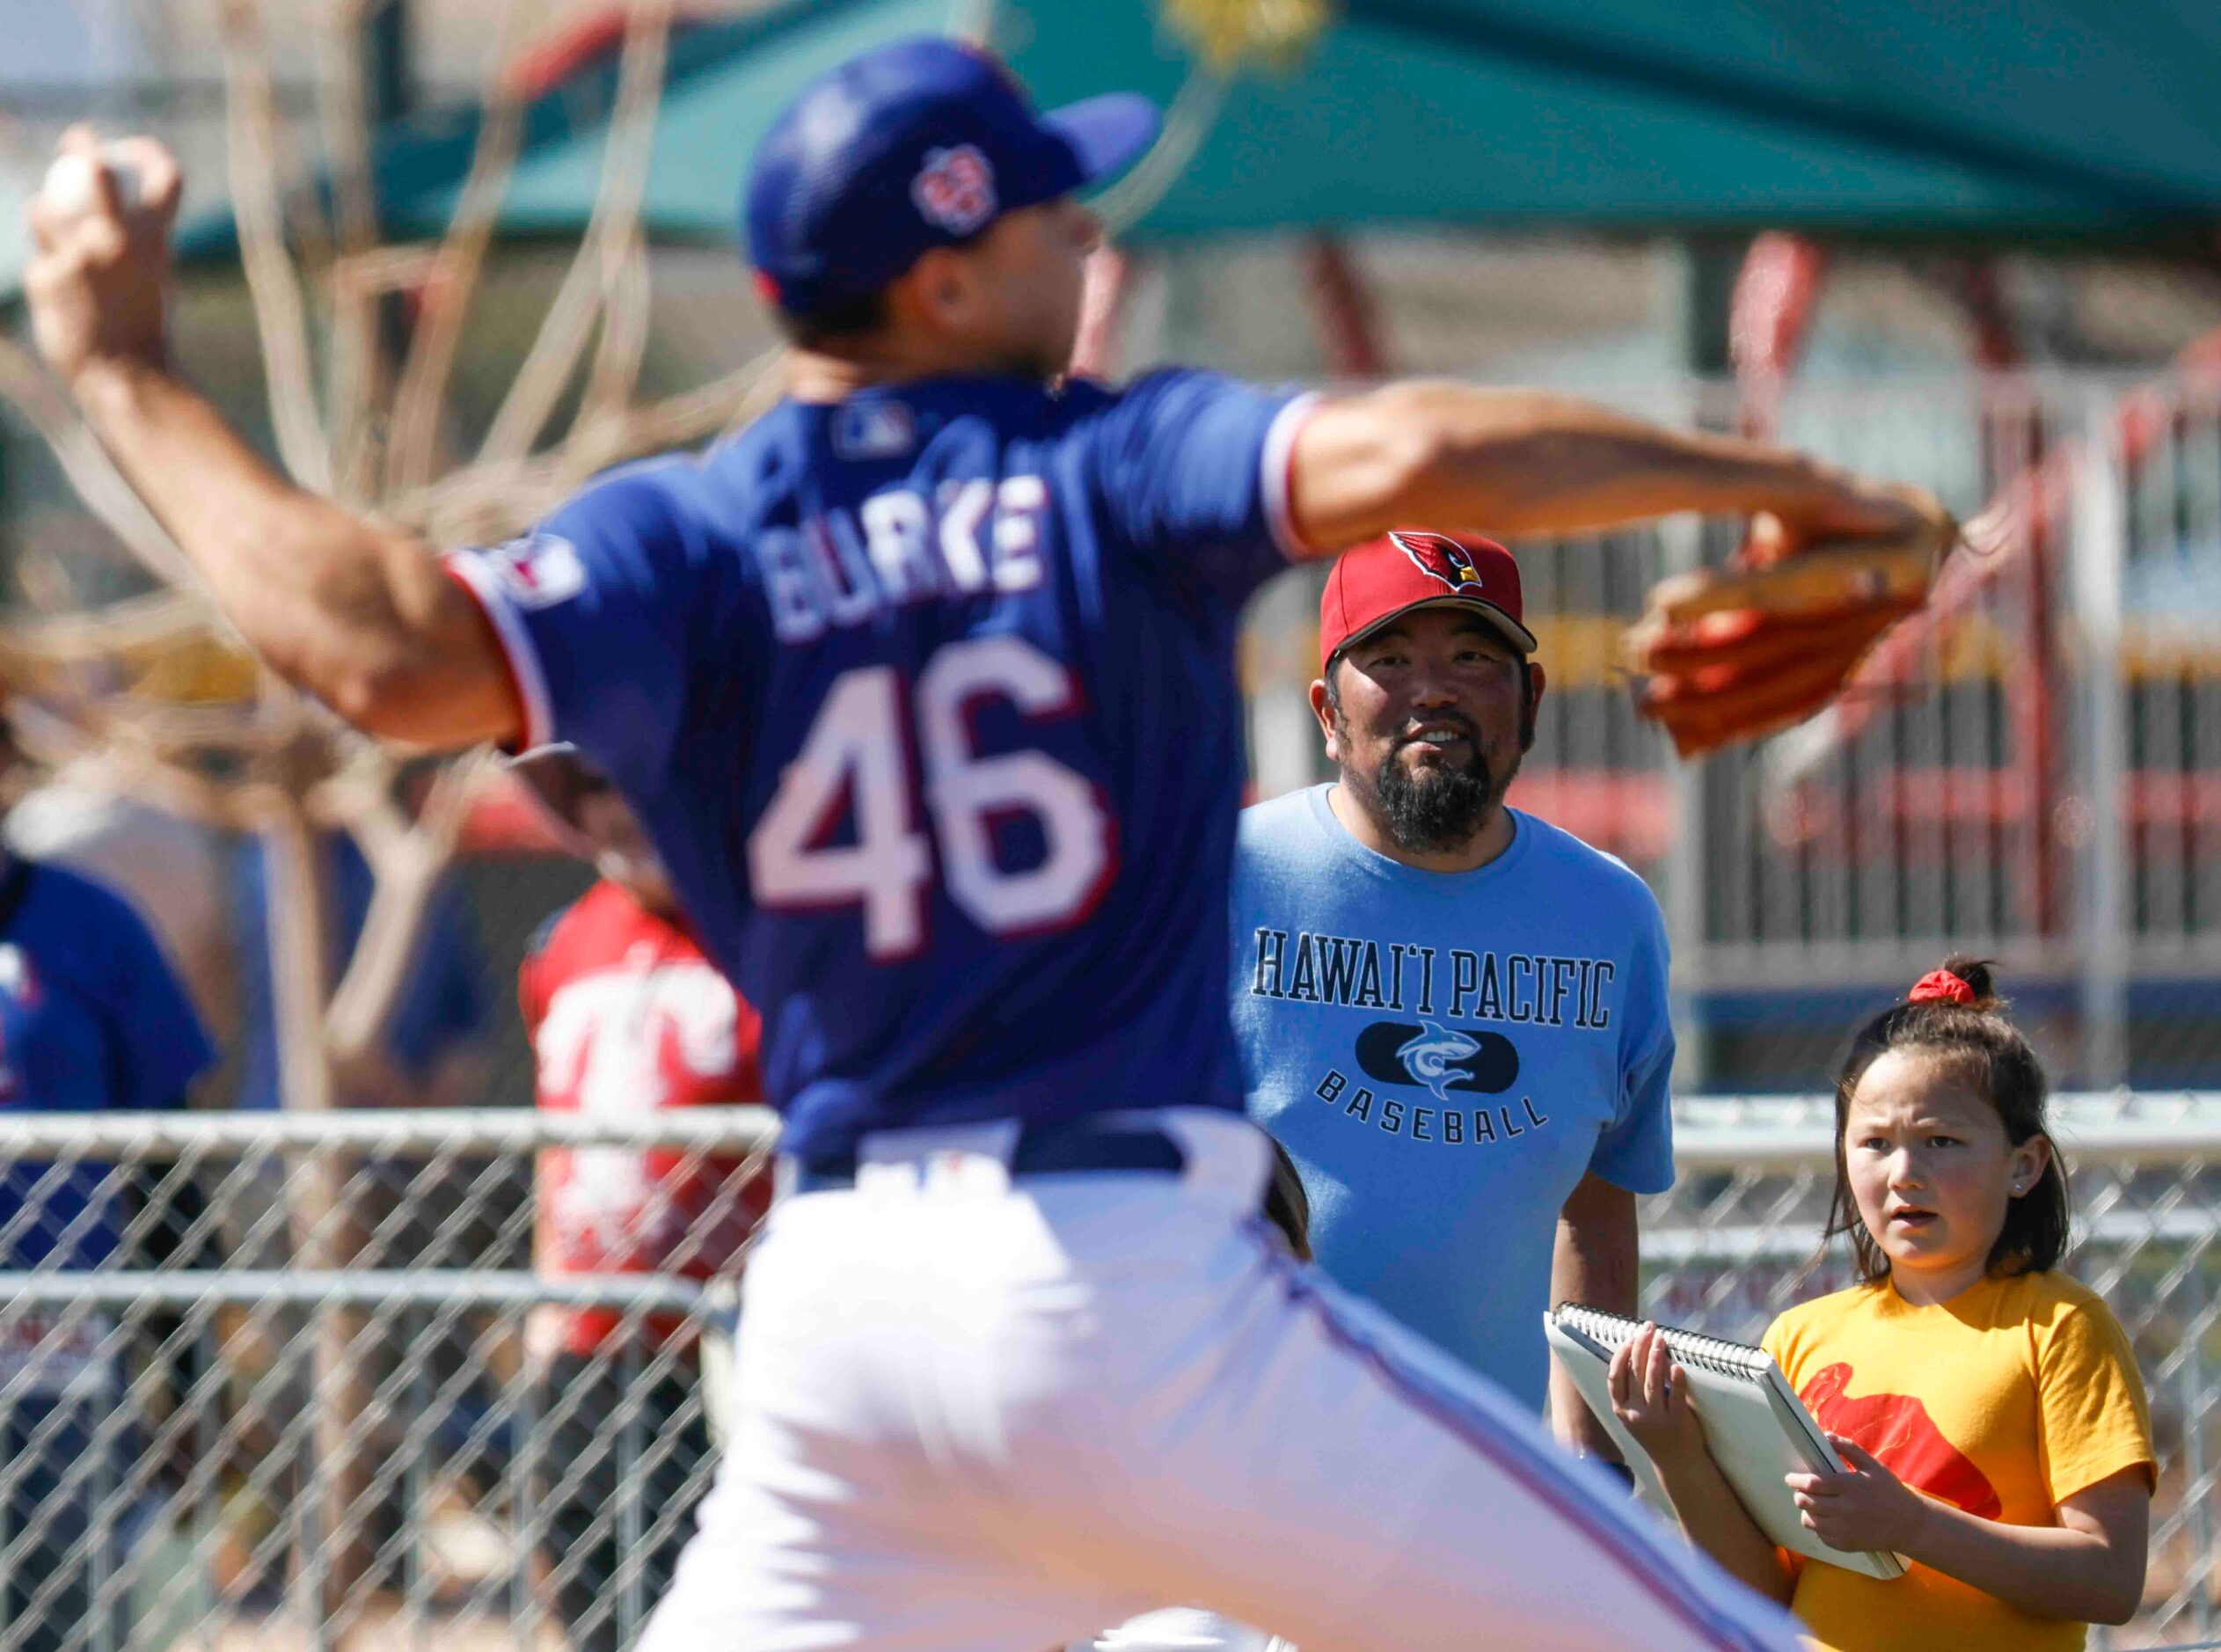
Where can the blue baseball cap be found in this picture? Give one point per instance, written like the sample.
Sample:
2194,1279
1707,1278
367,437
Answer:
910,146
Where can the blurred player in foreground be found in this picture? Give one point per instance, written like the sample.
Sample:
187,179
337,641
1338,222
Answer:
626,1016
1186,1628
924,685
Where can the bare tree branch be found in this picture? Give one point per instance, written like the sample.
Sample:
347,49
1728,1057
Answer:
454,278
27,384
569,323
753,390
119,629
56,742
407,861
357,382
485,504
279,309
354,378
362,284
347,125
624,345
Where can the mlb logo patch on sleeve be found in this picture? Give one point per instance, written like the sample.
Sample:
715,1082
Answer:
955,189
872,430
539,571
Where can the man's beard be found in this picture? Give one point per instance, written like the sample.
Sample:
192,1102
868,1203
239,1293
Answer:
1440,806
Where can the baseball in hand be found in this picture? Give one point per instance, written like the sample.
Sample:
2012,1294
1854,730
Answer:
71,188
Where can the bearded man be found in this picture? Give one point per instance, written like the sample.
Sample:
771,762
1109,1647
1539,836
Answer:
1452,1013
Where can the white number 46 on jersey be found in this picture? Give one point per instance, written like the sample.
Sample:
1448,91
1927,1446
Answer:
858,750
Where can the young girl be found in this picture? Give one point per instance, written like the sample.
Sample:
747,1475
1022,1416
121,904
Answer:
1989,1409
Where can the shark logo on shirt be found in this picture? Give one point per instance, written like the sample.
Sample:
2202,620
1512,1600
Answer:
1439,1058
1434,1055
1898,1430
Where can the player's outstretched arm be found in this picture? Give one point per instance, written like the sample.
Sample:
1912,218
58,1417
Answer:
1521,461
360,615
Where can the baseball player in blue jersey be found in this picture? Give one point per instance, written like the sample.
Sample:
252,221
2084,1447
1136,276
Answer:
925,687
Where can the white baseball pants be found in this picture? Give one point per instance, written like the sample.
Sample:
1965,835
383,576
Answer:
981,1415
1183,1629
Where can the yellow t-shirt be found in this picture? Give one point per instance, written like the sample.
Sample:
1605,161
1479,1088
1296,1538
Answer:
2015,1395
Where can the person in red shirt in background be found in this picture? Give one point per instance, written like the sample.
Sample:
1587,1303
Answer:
625,1015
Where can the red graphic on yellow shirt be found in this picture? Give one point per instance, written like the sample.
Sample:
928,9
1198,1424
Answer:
1898,1429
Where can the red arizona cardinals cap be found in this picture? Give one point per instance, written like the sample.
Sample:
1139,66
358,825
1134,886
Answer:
1416,567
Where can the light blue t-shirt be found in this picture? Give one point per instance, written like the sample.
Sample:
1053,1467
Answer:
1444,1054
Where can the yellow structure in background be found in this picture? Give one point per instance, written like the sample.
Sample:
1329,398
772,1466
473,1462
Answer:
1227,34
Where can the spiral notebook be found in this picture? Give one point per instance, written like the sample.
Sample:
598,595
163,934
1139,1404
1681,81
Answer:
1758,1427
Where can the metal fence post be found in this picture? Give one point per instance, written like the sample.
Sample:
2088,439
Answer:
207,1519
1687,892
524,1510
632,1527
8,1482
2097,551
415,1500
312,1581
2194,1476
100,1530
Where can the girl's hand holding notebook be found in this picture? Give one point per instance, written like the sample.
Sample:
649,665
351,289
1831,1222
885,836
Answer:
1655,1409
1719,1412
1865,1507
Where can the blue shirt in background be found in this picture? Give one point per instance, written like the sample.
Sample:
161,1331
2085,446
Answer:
1444,1055
92,1019
443,1001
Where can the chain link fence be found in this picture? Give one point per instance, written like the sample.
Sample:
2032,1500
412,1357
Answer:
293,1382
289,1382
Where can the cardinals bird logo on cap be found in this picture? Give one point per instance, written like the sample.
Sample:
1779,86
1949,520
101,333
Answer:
1439,557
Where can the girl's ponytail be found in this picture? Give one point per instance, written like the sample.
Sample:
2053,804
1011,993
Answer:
1964,981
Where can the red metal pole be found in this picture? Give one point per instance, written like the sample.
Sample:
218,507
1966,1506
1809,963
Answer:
1342,309
1776,292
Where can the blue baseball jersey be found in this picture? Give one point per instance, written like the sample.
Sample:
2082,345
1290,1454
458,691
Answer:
927,698
1444,1055
92,1019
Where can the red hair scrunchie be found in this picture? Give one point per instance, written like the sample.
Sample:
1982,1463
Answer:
1940,986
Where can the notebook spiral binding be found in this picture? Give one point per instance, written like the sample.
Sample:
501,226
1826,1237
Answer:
1708,1352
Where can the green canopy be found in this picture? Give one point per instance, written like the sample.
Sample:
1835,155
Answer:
2046,117
724,85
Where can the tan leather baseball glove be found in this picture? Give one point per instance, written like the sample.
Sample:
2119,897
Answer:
1729,653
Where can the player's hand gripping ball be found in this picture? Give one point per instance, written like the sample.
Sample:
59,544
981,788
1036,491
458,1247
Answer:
98,282
72,185
1729,653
